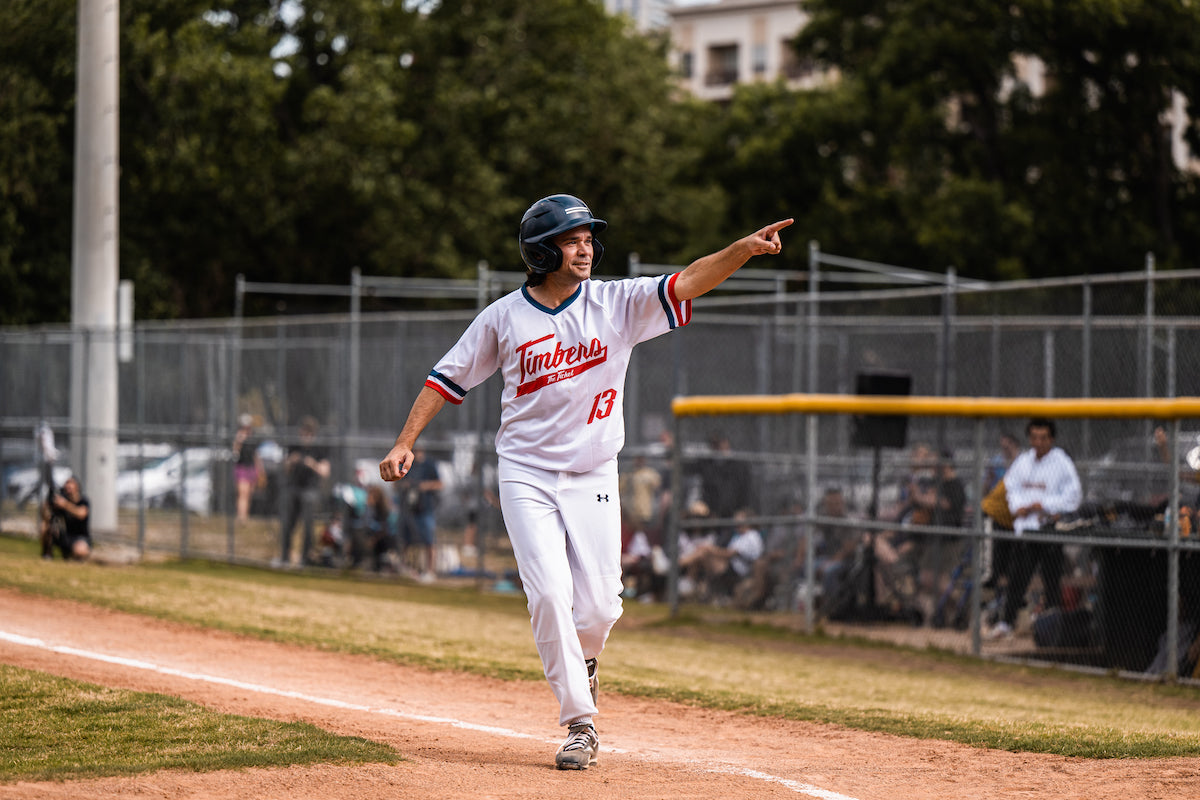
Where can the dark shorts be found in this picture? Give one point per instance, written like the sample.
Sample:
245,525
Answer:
420,529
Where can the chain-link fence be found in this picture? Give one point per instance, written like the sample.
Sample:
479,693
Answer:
184,385
912,544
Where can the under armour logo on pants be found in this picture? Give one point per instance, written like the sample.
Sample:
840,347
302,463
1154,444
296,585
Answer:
601,498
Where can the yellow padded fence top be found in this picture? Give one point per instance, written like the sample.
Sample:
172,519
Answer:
1097,408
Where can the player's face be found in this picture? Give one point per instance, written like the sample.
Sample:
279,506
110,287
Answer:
577,251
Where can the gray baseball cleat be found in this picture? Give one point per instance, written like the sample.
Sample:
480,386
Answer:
593,680
580,749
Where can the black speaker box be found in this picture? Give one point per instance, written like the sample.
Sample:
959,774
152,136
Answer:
873,430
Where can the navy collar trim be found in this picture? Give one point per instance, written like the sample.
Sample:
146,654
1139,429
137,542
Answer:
565,304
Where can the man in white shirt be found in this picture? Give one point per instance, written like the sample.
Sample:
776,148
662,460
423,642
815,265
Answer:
1041,485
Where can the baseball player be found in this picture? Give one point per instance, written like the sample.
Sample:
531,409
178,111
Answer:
562,343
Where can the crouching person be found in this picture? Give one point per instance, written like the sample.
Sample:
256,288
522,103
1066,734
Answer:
67,527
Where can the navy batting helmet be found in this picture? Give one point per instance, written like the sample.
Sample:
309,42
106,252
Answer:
546,219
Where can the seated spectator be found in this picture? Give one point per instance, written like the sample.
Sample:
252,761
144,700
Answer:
1187,646
837,545
898,551
380,528
333,541
721,569
66,523
945,501
638,572
780,565
692,541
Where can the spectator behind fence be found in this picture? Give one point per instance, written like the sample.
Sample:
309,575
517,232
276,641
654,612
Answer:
66,525
724,480
945,499
380,524
720,570
899,553
306,467
937,497
1041,485
1188,643
781,564
998,464
692,540
640,575
639,494
419,491
247,465
481,497
836,545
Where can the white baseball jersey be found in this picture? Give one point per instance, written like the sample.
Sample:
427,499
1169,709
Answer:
563,368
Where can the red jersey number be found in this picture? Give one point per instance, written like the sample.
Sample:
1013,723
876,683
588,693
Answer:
602,405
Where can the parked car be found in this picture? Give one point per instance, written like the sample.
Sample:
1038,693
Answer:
182,478
21,485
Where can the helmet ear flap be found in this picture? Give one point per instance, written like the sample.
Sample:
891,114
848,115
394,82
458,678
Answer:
541,257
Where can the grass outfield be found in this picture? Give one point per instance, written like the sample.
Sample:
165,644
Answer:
726,663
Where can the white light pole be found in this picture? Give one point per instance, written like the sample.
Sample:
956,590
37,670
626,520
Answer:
94,262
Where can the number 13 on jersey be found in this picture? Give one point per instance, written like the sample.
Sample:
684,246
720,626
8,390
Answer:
602,405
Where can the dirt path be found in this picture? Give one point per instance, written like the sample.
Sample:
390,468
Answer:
472,737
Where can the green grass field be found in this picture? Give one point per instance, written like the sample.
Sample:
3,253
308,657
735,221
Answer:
57,729
718,661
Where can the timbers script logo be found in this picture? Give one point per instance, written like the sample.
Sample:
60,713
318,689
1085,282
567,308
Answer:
545,361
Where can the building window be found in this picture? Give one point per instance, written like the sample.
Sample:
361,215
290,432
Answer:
722,65
758,58
686,64
796,67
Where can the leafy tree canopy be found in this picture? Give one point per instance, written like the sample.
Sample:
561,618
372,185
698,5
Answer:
1018,139
294,140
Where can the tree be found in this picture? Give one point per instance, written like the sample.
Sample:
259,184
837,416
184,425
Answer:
1000,178
293,140
37,84
204,191
528,99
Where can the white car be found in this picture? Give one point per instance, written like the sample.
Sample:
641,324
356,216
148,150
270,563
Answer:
22,484
181,478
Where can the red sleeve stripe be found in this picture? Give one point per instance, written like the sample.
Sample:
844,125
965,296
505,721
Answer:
445,387
679,313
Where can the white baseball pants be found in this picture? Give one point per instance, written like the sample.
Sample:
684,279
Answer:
565,530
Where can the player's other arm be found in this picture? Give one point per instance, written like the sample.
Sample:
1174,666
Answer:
396,463
706,273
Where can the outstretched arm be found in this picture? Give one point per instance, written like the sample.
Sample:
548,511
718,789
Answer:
706,273
396,463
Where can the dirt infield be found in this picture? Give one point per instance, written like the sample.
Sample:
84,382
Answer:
470,737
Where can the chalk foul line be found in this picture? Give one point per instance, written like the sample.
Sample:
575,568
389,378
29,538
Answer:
718,769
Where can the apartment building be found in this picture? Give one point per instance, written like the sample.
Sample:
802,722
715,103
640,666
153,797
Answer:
646,14
717,45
